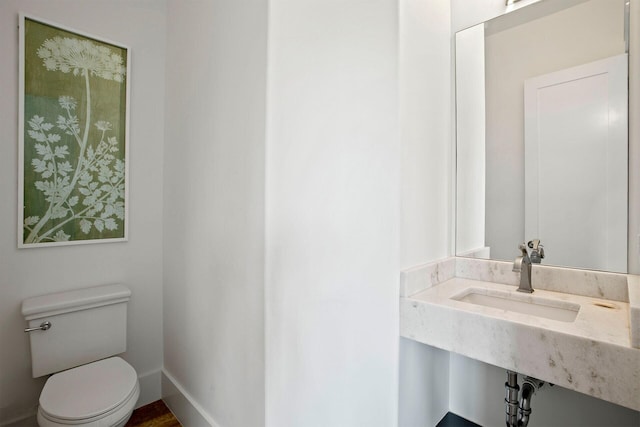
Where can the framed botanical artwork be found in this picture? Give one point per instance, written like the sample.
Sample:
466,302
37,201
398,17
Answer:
73,137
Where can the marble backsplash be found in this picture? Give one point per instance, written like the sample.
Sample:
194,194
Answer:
597,284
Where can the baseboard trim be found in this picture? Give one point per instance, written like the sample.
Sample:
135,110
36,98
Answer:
183,405
150,387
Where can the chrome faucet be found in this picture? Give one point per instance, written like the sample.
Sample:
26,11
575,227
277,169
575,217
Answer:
522,265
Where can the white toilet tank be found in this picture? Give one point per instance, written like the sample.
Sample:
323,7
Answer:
86,325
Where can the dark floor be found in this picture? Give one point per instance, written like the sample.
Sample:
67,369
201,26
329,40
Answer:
452,420
157,414
154,414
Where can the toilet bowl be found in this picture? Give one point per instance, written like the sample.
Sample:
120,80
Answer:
76,336
98,394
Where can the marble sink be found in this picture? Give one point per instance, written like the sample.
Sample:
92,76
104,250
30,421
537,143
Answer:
579,329
512,300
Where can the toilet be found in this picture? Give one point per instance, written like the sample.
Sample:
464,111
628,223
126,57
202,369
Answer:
76,336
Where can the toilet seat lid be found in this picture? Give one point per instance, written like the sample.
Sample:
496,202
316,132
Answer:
89,390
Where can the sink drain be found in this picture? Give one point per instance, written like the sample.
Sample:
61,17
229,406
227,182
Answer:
605,305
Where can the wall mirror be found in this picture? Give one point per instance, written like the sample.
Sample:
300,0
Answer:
542,134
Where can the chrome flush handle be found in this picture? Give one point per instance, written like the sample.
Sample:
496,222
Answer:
44,326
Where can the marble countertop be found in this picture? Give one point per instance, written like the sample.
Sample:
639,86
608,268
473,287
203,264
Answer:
592,354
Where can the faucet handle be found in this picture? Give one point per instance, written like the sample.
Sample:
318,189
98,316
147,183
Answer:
537,251
533,244
537,247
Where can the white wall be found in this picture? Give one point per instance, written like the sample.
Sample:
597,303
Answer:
30,272
477,389
332,256
214,207
426,187
425,130
424,384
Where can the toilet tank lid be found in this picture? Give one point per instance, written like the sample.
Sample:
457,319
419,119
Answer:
80,299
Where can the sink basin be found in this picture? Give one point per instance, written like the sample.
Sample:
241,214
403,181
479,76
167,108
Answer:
520,303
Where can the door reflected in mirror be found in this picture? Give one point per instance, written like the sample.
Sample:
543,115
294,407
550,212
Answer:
542,125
